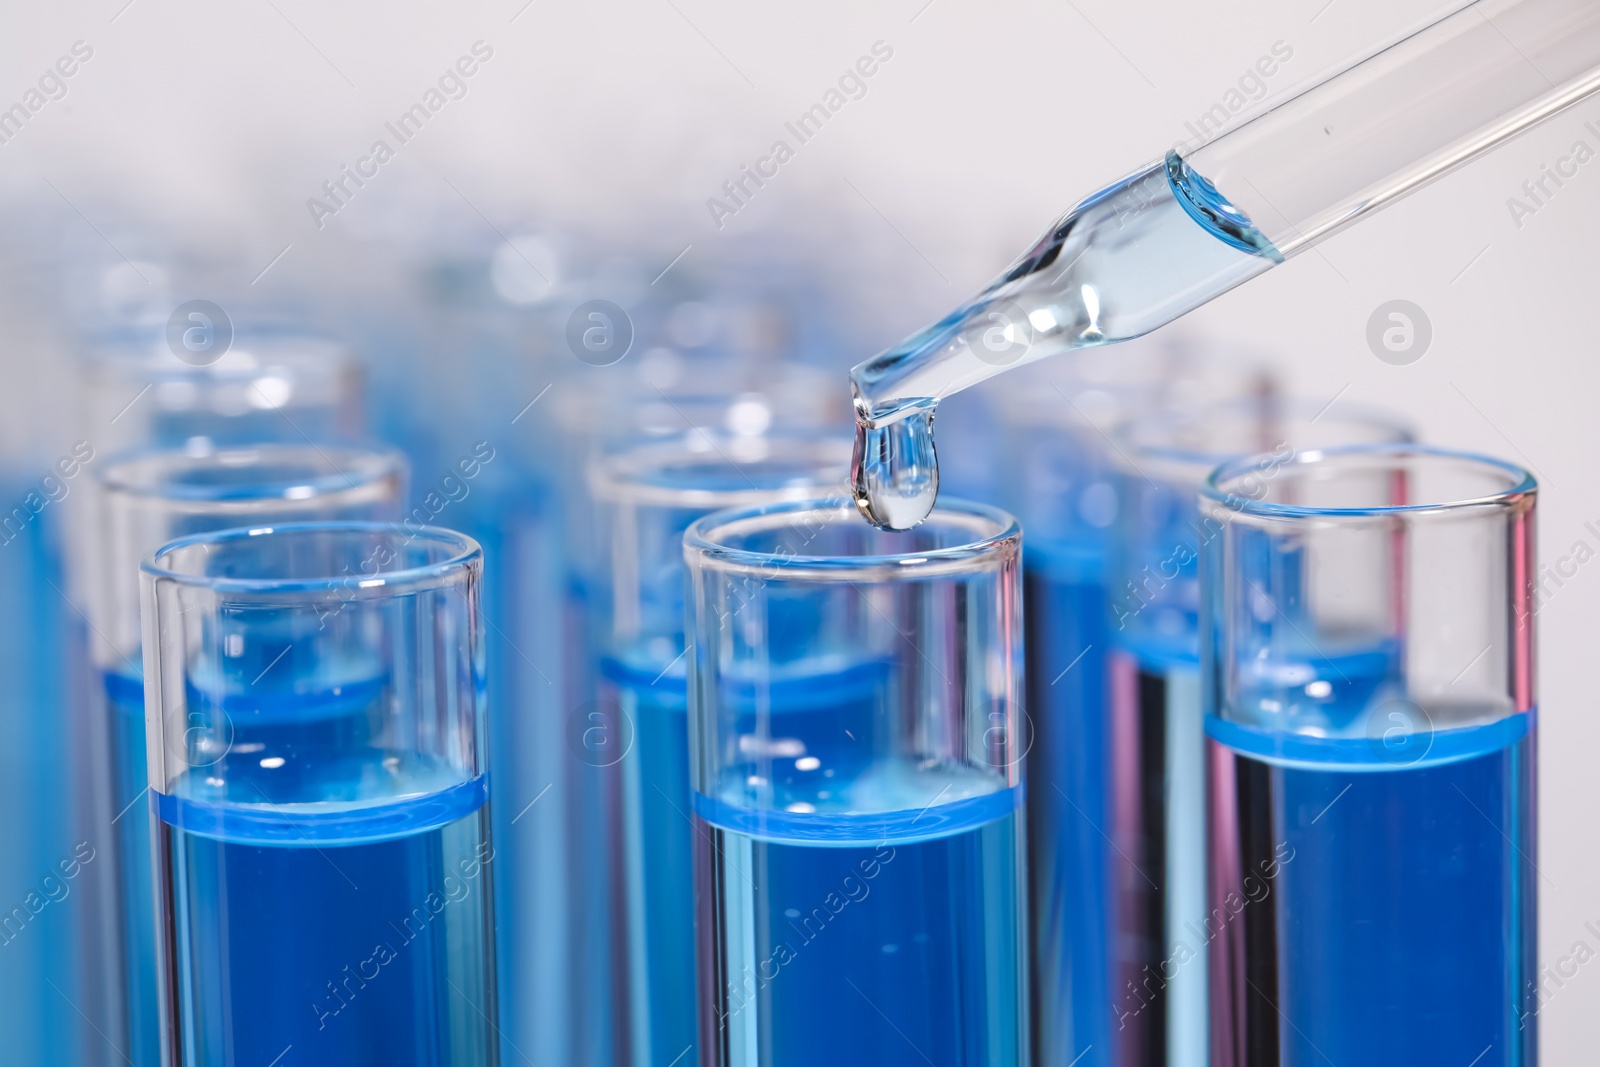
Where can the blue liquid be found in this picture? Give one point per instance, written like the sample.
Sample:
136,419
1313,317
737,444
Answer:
322,899
660,879
355,935
595,978
660,834
1156,821
1398,894
135,882
552,925
1069,857
532,771
873,939
311,716
47,893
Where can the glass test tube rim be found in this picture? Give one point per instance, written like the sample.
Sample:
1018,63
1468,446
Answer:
996,540
117,341
145,472
695,390
465,555
1074,376
138,375
131,353
1522,487
626,477
1140,452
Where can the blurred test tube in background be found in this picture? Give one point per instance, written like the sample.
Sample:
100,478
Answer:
50,863
1053,426
1155,730
250,385
147,498
646,496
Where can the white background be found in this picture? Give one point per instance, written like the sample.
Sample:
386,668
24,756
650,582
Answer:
211,124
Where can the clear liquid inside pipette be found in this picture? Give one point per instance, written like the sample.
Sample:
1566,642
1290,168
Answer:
1125,261
1162,242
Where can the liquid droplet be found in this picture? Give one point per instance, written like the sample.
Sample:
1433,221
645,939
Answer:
895,473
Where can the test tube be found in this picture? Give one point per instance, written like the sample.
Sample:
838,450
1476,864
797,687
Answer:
263,385
1053,424
1156,763
856,760
1370,715
647,495
136,393
49,860
43,873
317,755
493,311
147,498
669,399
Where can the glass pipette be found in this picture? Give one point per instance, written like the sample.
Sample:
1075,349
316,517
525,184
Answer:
1194,224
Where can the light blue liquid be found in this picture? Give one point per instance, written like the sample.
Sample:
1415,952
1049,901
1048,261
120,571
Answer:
552,924
1160,1008
1069,855
660,878
346,936
1397,924
660,833
339,714
325,899
1156,826
531,768
596,982
135,882
48,892
865,939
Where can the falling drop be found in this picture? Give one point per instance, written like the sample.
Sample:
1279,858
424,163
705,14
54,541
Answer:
895,473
